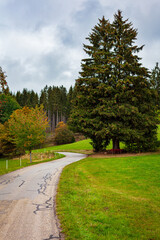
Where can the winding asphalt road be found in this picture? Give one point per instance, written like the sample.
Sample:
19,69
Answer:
27,201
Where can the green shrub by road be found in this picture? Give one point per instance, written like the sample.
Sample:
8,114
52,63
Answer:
110,199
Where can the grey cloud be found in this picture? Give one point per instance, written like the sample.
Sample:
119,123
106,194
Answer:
41,41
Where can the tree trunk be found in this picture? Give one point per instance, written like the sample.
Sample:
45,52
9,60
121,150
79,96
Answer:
30,156
49,119
54,122
116,144
61,117
57,118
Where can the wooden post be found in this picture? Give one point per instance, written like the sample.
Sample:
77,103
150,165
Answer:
30,156
7,164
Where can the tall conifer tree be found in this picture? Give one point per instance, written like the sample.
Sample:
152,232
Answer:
114,97
88,115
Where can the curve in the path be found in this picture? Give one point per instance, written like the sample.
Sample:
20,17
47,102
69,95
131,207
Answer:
27,198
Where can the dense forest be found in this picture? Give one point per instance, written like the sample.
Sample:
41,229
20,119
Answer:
56,102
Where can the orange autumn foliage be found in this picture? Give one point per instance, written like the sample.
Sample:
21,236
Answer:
27,127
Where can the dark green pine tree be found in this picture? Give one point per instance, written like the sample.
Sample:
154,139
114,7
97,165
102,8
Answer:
25,99
18,97
114,98
70,97
44,98
90,89
33,99
155,81
133,115
63,103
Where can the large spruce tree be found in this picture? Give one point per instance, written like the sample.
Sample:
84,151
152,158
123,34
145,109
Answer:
114,97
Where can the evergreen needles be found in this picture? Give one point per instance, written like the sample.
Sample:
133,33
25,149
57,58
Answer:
114,97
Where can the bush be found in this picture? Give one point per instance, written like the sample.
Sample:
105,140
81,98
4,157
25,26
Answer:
63,135
7,148
144,144
7,106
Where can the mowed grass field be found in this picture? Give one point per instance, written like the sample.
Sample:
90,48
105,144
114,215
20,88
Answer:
111,199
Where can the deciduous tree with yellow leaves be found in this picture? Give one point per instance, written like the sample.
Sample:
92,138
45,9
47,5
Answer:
27,128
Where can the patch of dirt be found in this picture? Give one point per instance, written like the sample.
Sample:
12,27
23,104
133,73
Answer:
79,137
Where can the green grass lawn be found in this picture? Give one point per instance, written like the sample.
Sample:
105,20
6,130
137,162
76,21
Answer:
9,165
111,199
83,146
76,146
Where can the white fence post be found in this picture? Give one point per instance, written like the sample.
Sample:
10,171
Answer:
7,164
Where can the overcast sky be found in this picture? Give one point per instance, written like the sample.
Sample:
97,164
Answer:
41,41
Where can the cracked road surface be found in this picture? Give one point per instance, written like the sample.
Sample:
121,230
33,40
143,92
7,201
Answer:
27,201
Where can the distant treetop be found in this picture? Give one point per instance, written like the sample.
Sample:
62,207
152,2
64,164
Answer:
3,83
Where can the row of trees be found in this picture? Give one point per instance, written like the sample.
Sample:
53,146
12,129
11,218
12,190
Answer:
56,102
27,98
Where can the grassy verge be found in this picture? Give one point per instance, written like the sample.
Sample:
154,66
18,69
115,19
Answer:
110,199
83,146
9,165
